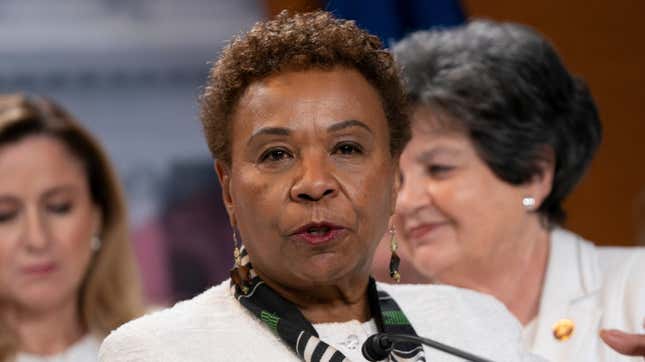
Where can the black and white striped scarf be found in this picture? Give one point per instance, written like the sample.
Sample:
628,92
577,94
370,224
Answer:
286,320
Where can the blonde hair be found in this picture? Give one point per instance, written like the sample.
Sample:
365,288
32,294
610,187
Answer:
110,293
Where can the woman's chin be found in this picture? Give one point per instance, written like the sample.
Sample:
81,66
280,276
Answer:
327,273
432,261
43,298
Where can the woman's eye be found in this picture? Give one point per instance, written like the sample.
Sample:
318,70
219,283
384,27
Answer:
62,208
6,216
439,169
275,155
348,149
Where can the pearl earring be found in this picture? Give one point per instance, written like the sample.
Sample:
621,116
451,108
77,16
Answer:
528,202
95,243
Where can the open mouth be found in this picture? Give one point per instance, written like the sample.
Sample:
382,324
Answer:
319,233
318,230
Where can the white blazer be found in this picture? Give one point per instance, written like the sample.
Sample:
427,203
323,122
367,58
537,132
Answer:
213,326
595,287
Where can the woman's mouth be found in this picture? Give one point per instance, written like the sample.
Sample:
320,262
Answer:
319,233
39,270
421,231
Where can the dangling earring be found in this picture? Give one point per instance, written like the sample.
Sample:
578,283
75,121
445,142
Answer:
239,273
394,260
528,202
95,243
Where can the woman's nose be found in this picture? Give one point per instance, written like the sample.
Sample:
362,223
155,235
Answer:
35,232
411,197
316,181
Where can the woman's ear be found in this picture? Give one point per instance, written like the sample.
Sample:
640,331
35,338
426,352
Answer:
224,176
396,186
97,220
542,182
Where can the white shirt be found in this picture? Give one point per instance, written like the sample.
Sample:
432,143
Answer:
595,287
213,326
85,350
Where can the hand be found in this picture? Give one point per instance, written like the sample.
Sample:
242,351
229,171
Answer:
624,343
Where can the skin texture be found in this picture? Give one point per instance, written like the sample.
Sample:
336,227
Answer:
47,219
464,226
311,146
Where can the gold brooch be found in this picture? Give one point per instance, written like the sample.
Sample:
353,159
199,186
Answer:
563,329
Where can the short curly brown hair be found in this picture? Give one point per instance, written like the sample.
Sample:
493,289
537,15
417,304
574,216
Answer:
315,40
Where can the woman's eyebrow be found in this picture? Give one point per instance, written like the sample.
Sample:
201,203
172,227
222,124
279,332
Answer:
347,124
8,199
430,154
269,131
59,189
282,131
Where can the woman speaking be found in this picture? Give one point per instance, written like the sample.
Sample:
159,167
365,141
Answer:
304,116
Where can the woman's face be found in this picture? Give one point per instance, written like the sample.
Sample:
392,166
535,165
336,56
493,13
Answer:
311,181
47,219
453,213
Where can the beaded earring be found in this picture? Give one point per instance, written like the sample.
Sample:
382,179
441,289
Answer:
395,261
239,273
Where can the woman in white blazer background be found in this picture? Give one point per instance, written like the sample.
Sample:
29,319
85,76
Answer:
502,133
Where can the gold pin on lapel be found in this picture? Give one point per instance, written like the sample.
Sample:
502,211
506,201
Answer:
563,329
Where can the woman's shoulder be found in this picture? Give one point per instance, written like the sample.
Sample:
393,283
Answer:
612,263
428,299
159,335
215,300
439,295
612,276
622,265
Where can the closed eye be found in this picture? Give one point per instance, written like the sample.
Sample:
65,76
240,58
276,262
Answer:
61,208
6,216
439,170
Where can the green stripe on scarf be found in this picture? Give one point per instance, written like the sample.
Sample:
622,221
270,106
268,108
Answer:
394,317
270,319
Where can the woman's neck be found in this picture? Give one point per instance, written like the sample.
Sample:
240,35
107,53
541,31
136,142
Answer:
338,302
515,278
46,332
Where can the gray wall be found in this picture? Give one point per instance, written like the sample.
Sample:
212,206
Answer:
130,70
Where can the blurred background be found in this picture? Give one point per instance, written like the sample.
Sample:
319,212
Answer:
131,70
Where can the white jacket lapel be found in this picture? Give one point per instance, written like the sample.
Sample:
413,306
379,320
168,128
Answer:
571,288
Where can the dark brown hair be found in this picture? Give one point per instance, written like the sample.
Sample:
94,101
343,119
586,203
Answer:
506,86
298,42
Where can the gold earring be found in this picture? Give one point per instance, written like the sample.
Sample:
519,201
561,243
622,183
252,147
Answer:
239,273
395,261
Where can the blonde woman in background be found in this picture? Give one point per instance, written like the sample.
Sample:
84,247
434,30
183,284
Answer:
67,273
